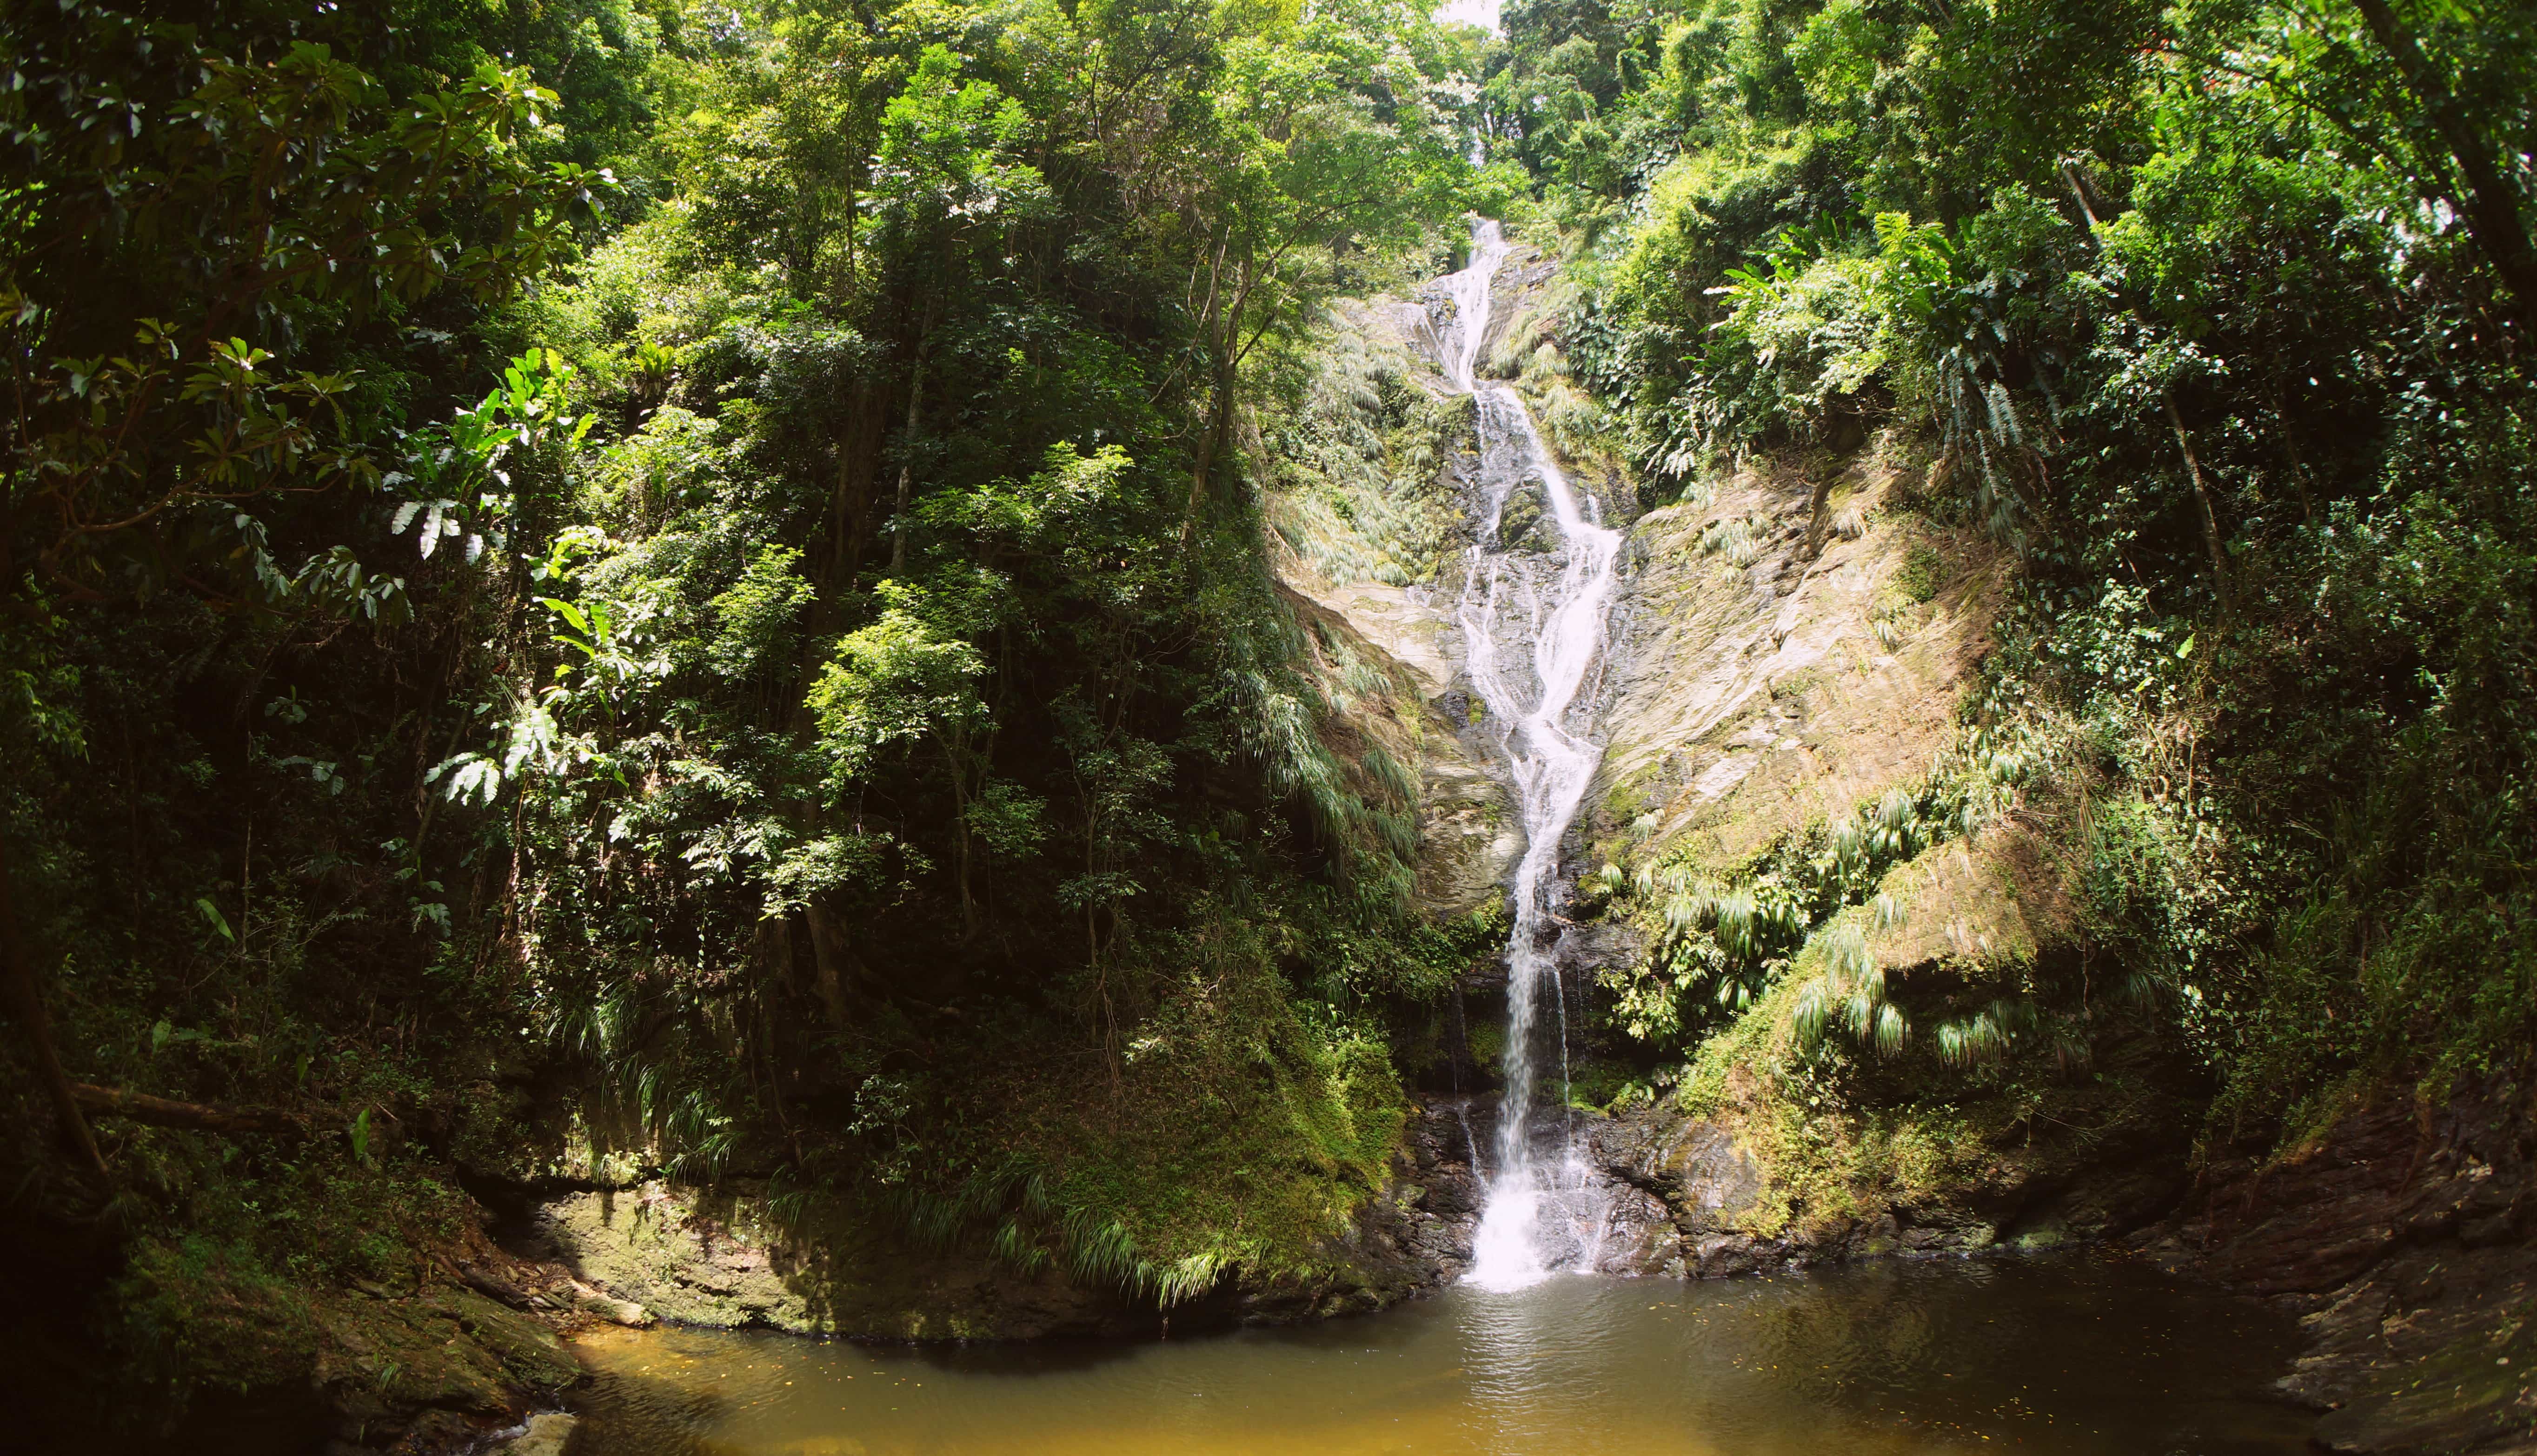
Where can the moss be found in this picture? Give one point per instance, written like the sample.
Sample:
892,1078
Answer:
1241,1131
1267,1173
1486,1041
1596,1083
1794,687
1825,1169
1633,796
197,1315
1352,452
205,1312
1923,574
1842,1135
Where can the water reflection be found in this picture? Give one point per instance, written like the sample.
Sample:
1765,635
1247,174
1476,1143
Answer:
2080,1356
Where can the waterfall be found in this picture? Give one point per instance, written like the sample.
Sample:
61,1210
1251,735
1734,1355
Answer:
1533,619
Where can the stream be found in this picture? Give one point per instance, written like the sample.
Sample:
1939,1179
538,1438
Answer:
2077,1353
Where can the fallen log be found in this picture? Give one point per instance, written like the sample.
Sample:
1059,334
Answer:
141,1106
491,1284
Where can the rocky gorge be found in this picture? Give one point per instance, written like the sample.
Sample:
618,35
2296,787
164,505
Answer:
1743,698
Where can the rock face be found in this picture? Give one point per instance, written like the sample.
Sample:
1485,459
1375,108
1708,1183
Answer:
1771,670
1690,1200
462,1363
2403,1237
716,1259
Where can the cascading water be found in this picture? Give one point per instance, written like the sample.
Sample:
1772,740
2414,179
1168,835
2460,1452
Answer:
1533,623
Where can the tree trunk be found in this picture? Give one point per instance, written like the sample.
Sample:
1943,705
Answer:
830,954
1219,417
2491,208
957,764
851,509
2290,448
1223,333
899,524
771,944
27,999
2202,498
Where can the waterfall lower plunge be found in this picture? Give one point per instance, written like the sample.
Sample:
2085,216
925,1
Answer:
1533,625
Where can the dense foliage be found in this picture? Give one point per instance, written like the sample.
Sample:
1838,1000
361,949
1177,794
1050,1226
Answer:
2220,317
821,717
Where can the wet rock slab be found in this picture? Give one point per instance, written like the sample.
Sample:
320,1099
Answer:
2403,1235
1677,1196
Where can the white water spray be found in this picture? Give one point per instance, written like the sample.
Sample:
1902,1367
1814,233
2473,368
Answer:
1533,625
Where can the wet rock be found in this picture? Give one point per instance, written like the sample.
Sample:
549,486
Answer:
1381,1260
1587,948
1442,1154
1520,523
1712,1191
1694,1167
547,1434
2402,1235
1639,1235
1875,1239
613,1310
1412,1236
1723,1256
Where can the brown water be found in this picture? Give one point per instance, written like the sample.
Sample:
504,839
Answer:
2079,1354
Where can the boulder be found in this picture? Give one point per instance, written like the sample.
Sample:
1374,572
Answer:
546,1434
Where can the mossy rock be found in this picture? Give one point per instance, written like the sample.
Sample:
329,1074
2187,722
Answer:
719,1258
1998,898
2469,1395
377,1362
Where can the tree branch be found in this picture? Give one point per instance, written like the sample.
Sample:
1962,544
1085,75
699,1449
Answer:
2491,208
141,1106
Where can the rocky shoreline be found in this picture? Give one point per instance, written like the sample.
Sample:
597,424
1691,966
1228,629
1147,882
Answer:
2400,1238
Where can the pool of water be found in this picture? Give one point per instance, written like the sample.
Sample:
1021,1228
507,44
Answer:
2078,1354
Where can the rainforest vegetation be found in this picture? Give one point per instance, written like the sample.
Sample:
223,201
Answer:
2219,318
683,585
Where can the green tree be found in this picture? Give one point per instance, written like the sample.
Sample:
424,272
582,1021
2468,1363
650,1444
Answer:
266,199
